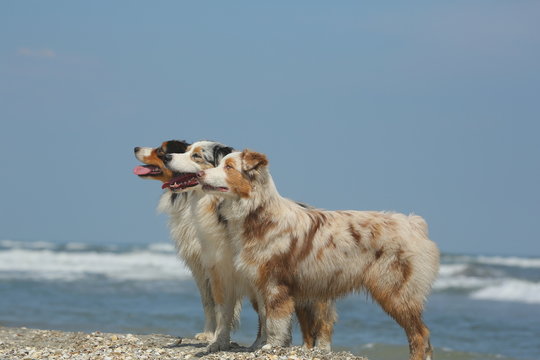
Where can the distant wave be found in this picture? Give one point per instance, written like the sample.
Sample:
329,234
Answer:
510,290
74,261
510,261
491,277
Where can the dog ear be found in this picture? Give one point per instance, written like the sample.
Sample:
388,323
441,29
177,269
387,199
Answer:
176,146
219,152
252,160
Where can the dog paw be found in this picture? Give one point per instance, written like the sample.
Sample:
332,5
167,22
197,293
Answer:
204,336
324,347
256,345
218,346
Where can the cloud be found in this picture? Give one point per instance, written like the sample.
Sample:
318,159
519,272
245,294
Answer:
40,53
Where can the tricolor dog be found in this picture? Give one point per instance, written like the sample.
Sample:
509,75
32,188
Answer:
182,230
291,254
227,285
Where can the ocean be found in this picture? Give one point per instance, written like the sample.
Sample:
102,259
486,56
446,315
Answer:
482,307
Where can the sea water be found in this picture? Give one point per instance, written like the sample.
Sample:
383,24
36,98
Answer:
482,307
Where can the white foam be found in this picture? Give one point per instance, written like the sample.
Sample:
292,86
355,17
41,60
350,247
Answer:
452,277
46,264
509,261
463,282
510,290
15,244
451,269
162,247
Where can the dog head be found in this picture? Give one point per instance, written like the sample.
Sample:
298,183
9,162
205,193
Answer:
154,160
237,174
199,156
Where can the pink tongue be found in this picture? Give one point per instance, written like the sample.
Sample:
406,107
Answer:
141,170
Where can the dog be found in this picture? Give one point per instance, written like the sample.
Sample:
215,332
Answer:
316,319
182,232
291,254
215,254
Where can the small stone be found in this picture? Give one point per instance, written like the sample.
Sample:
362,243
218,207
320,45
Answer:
266,347
114,338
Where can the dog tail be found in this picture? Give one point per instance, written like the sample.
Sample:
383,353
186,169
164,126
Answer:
419,225
427,254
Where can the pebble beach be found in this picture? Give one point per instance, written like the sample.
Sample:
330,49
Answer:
27,344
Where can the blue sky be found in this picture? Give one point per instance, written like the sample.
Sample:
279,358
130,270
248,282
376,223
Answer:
428,107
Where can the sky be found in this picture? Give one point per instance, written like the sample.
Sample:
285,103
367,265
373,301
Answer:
426,107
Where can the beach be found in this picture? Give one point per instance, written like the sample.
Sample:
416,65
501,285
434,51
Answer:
25,344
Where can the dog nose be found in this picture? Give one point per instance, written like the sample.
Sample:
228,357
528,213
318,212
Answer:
200,174
167,157
137,149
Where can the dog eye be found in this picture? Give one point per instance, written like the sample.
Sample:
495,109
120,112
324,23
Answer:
196,156
228,167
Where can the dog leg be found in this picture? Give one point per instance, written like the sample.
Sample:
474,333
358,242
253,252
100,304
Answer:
408,313
317,320
236,314
257,343
279,310
325,317
225,301
401,291
417,335
306,317
208,305
258,304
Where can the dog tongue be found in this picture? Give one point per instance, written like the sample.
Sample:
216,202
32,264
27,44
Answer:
165,185
141,170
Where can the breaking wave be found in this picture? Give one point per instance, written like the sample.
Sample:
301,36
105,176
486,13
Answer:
74,261
491,277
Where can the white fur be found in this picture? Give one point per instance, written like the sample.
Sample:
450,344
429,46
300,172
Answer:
183,163
189,250
143,152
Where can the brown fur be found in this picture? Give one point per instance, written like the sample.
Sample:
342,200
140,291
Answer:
256,226
316,322
217,286
252,160
237,182
153,159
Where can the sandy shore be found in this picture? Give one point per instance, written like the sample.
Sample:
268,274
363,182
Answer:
26,344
